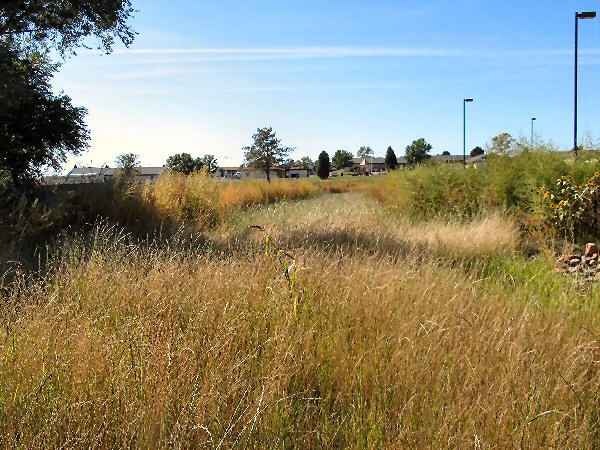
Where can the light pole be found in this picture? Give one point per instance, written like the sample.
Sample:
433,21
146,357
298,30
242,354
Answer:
465,101
532,119
578,15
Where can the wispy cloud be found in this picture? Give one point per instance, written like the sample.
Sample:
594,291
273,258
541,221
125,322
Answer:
297,52
345,52
162,72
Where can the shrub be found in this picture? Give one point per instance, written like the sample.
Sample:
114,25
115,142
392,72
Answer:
439,190
572,209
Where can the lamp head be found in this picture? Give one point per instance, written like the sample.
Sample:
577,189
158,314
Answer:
468,100
586,15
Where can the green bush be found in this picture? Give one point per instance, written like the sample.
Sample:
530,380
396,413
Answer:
572,208
435,191
504,183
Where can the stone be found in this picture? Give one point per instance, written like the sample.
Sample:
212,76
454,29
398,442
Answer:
574,269
574,262
591,248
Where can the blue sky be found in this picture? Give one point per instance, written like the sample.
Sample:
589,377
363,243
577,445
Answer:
202,76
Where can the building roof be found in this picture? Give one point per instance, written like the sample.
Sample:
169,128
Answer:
373,160
447,158
111,171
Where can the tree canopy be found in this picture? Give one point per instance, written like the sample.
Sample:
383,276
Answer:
209,162
476,151
390,159
501,144
38,129
364,151
64,25
128,163
266,151
342,159
184,163
418,151
323,166
305,162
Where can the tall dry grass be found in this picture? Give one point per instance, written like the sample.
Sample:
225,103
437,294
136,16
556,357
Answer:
240,194
381,342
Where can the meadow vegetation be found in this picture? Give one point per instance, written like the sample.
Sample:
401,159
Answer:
280,315
522,184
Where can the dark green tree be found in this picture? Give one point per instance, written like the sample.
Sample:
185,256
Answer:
38,129
390,159
64,25
342,159
477,151
364,152
418,151
128,164
445,153
266,151
184,163
323,165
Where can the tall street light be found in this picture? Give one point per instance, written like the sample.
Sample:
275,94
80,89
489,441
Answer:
578,15
532,119
465,101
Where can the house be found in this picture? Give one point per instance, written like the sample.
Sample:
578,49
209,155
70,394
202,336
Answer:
86,175
372,165
297,172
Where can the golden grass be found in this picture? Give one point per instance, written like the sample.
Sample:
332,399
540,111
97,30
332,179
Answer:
492,235
203,201
244,193
391,345
350,220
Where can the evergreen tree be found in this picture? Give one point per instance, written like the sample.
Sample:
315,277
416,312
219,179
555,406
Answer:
323,166
390,159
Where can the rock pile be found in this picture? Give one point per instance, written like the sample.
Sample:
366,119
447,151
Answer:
583,266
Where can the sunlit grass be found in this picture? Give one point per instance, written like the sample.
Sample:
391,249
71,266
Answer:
403,336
